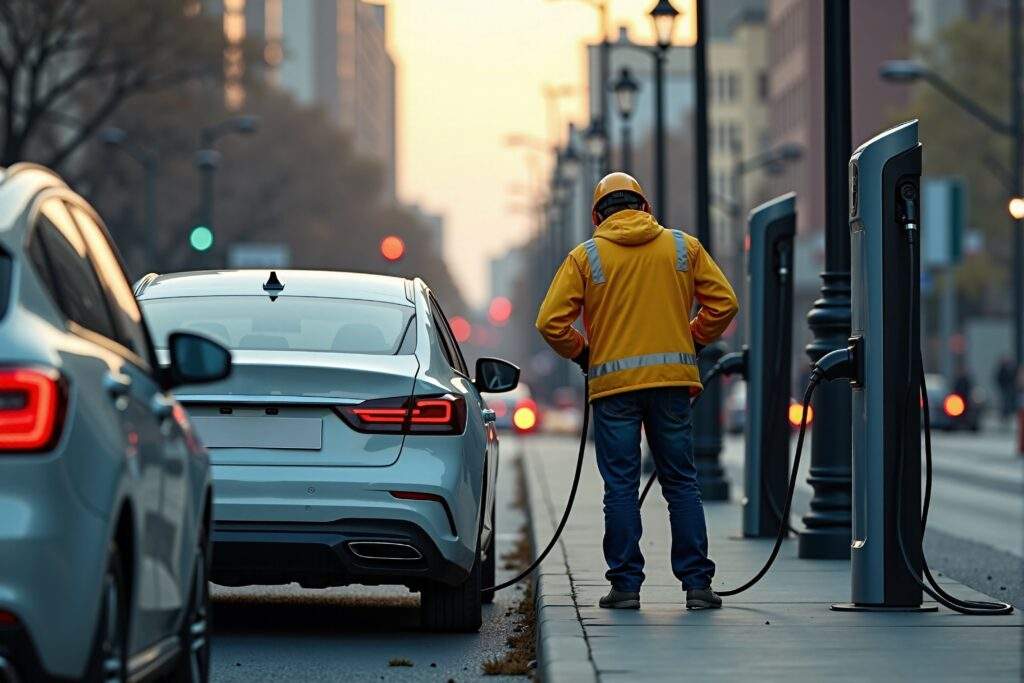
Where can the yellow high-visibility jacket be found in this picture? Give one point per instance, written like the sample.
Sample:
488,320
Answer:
635,283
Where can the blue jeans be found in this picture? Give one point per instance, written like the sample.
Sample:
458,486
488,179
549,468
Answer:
665,416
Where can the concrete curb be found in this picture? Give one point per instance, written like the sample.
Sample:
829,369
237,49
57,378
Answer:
563,652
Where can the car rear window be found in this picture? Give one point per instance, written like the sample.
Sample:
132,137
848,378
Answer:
289,323
5,283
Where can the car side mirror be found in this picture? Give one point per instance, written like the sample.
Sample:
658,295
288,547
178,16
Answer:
495,376
195,360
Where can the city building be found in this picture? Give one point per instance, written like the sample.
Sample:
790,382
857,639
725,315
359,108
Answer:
737,92
506,272
327,53
433,224
880,31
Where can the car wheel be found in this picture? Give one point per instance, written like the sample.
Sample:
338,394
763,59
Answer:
488,573
453,608
109,661
194,664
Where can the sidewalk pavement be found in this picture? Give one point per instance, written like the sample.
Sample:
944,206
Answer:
781,629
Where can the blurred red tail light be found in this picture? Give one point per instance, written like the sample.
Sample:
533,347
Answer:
954,405
416,415
32,404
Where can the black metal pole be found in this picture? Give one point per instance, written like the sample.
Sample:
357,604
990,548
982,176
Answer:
1018,181
827,534
707,424
627,148
660,153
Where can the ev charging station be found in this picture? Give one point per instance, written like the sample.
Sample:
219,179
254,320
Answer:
768,364
885,176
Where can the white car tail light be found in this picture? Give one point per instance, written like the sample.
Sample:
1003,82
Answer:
409,415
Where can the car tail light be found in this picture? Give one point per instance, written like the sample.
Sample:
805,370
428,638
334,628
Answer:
414,415
32,405
796,415
525,416
954,405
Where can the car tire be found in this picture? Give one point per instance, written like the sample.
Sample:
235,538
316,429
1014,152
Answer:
193,664
109,659
453,608
488,574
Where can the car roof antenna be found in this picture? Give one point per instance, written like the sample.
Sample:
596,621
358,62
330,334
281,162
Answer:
273,286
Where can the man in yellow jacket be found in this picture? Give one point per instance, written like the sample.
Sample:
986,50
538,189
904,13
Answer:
635,283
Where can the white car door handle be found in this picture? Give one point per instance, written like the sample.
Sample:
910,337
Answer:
489,415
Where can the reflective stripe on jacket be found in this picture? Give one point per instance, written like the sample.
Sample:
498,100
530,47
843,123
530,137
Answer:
635,283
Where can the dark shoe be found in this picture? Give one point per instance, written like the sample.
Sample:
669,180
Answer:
620,600
702,598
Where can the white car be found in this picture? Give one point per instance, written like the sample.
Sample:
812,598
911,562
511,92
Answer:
351,444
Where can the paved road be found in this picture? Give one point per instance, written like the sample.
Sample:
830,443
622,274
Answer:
288,633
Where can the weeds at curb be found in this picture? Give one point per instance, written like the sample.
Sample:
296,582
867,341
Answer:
400,661
523,642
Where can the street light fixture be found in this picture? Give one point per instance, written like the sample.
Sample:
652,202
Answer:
596,139
664,16
626,88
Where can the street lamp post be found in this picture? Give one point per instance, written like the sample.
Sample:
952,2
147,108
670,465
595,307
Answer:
147,158
208,159
664,17
626,88
827,525
909,71
707,421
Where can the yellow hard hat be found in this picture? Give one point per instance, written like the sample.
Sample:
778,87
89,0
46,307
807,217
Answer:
617,182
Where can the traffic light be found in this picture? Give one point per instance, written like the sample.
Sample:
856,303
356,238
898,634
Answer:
392,248
499,311
200,238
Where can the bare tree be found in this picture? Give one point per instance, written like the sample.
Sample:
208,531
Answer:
67,65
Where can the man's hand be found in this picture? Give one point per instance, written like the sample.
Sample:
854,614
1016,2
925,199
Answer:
582,359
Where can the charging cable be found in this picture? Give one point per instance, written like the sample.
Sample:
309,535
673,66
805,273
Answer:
916,362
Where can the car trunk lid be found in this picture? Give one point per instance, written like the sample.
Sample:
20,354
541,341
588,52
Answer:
278,408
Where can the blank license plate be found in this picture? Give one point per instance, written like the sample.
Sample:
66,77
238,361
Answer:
296,433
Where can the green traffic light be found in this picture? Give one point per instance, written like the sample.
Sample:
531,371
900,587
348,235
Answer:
201,238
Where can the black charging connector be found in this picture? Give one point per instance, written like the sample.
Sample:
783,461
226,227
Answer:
838,364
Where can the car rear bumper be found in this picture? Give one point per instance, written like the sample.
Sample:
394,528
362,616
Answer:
448,482
317,555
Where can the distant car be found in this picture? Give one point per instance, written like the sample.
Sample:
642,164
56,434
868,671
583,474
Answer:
950,411
351,445
105,493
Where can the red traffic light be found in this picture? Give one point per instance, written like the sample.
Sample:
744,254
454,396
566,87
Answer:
461,329
499,311
392,248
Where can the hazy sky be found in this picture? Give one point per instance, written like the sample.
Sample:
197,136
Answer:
471,72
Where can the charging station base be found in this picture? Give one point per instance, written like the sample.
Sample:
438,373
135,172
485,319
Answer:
854,607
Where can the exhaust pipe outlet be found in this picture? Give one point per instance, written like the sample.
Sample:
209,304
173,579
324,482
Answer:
384,550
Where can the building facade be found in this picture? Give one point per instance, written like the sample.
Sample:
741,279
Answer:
330,54
737,91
